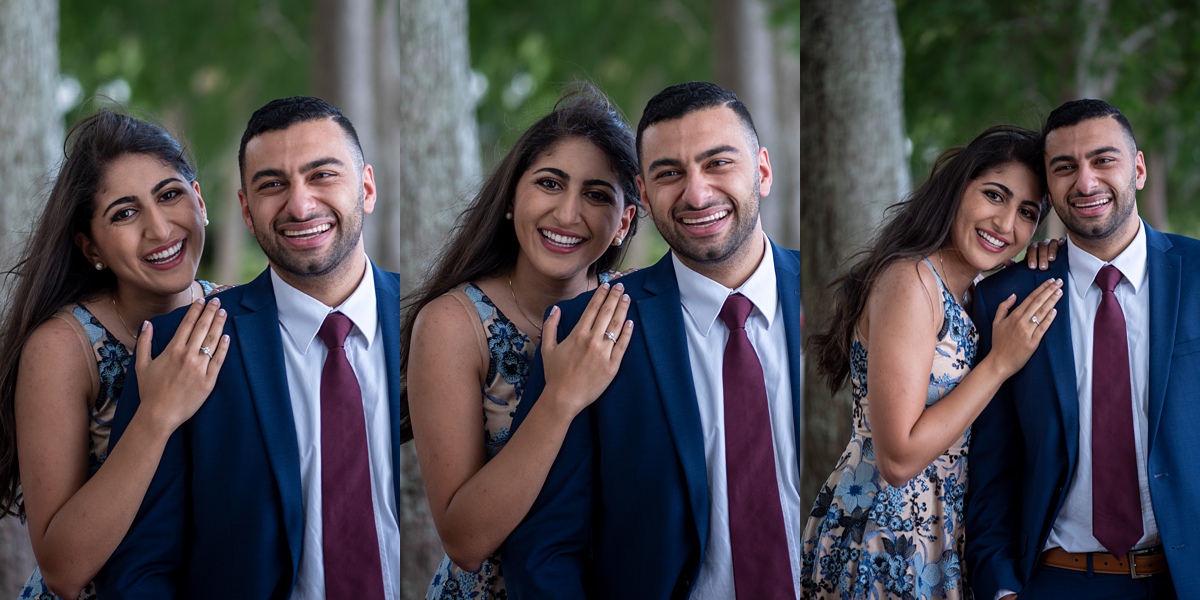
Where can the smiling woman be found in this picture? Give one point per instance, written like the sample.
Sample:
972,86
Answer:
889,520
118,242
549,224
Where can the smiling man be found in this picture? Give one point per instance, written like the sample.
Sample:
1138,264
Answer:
282,485
1081,477
682,479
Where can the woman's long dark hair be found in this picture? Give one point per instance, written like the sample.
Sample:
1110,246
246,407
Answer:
52,272
483,241
915,228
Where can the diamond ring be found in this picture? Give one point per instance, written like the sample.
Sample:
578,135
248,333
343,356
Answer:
611,337
1034,319
206,351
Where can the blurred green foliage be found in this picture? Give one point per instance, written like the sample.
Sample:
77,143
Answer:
974,63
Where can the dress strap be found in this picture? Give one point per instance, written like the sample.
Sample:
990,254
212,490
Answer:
941,284
472,309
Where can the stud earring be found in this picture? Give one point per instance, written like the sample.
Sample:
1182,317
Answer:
206,220
508,215
617,242
99,266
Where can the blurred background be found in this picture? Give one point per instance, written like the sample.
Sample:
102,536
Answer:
438,90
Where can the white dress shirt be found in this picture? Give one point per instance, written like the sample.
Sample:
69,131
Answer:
702,299
300,317
1072,530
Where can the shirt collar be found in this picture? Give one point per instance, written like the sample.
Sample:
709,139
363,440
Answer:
1131,262
702,298
302,315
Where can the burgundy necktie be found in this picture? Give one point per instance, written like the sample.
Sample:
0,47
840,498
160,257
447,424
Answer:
350,542
1116,504
756,533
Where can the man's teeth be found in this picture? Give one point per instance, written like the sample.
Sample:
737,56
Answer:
561,240
1094,204
306,232
709,219
991,240
165,255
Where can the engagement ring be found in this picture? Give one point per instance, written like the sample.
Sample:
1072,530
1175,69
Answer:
611,337
206,351
1034,318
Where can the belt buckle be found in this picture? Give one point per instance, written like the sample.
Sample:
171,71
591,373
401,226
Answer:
1132,557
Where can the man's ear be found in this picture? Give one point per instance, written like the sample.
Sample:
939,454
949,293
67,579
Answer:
1139,170
245,210
369,195
641,183
764,173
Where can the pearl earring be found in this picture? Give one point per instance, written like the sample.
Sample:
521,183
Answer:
206,220
617,242
508,215
99,266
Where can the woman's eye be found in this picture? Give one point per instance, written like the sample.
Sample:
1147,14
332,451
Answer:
550,184
169,195
1028,214
122,214
599,196
993,196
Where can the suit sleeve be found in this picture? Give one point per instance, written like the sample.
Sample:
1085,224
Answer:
994,489
549,553
147,562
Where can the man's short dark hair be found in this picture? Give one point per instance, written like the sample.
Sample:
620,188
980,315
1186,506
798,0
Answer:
280,114
1078,111
683,99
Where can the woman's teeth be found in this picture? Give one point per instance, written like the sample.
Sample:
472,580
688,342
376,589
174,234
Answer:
991,240
560,240
165,255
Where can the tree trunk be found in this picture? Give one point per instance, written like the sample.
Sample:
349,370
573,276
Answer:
31,128
343,74
745,62
854,164
427,128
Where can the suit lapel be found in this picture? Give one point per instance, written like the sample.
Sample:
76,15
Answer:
387,300
262,354
661,321
1061,354
787,279
1165,272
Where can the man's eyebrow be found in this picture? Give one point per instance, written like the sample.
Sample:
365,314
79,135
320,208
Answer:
1091,154
711,152
267,173
665,162
321,162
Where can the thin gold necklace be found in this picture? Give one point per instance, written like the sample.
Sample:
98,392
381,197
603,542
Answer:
113,299
522,310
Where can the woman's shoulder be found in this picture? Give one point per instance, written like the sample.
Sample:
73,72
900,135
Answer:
907,276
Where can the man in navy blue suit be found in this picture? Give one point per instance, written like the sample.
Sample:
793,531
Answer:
682,479
282,484
1083,482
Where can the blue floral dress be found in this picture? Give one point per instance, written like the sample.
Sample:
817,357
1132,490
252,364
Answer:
112,358
510,353
866,539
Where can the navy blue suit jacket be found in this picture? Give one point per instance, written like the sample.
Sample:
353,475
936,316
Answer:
624,511
1026,442
223,517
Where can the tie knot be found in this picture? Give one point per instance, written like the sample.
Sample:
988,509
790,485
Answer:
1108,278
737,307
334,330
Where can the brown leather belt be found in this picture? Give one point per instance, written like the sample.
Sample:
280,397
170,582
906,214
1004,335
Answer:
1137,564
